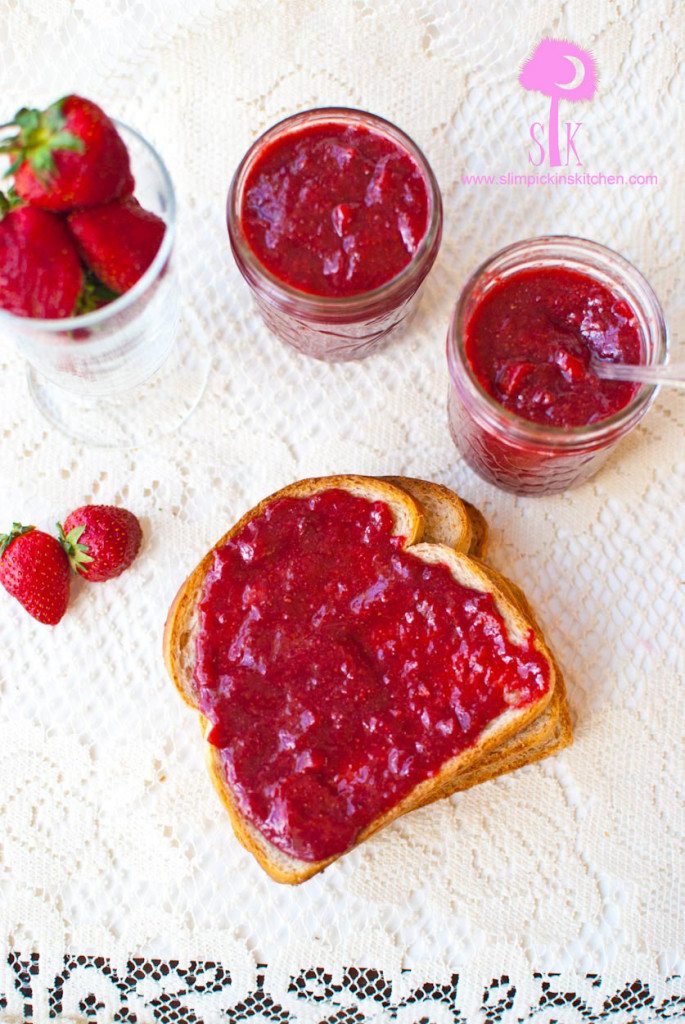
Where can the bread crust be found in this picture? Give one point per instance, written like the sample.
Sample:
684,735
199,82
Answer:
479,530
497,750
460,531
471,536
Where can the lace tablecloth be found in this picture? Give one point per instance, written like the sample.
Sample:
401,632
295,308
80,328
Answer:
552,894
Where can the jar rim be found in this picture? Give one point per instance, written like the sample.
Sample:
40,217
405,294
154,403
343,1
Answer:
585,256
279,290
59,325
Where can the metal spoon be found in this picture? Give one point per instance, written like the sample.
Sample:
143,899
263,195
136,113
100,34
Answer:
670,374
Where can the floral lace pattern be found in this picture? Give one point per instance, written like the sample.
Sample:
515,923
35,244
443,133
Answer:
112,842
93,988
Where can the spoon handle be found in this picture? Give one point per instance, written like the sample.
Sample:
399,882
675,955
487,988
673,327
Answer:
672,374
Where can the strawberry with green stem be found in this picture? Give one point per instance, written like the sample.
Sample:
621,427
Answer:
35,570
100,541
68,156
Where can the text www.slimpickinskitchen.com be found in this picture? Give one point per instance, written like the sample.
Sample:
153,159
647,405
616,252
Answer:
547,178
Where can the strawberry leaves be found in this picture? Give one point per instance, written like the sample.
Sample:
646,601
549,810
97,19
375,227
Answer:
41,133
76,553
9,200
17,531
94,295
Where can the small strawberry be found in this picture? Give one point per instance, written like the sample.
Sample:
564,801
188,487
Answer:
118,241
100,541
68,156
40,271
35,570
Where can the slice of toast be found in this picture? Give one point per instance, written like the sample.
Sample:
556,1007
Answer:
500,762
448,518
182,623
501,747
451,520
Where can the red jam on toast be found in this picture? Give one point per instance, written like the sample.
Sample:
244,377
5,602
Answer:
338,670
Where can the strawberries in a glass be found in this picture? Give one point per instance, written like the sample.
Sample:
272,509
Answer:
68,155
40,271
118,241
76,238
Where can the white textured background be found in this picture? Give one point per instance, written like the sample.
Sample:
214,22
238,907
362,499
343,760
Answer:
111,838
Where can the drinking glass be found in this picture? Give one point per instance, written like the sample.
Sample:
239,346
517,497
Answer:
122,375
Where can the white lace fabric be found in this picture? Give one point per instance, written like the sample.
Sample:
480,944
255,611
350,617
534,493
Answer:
115,854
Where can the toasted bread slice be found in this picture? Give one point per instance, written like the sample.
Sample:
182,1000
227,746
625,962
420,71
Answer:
479,530
448,518
409,516
181,625
559,735
551,731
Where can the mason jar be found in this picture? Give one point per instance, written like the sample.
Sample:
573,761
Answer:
324,326
505,448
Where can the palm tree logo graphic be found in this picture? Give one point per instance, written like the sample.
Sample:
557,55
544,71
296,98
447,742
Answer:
561,70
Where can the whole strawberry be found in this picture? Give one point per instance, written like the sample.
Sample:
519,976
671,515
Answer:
35,570
68,156
118,241
100,541
40,271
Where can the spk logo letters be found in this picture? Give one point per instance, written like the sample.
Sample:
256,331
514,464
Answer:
562,71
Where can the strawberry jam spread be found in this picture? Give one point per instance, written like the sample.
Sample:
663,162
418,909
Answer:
338,670
530,339
334,209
